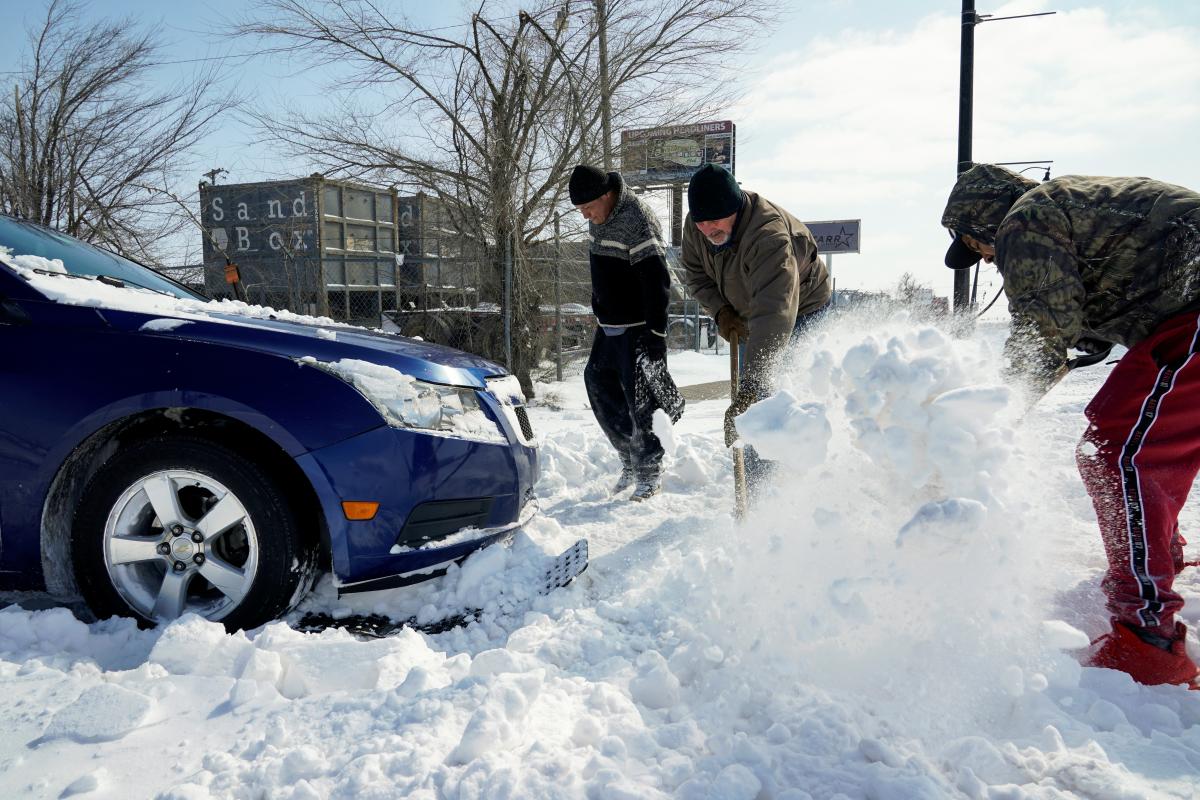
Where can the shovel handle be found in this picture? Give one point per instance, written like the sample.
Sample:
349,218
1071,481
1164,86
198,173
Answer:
735,367
739,455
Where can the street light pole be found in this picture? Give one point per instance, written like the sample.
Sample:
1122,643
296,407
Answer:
966,82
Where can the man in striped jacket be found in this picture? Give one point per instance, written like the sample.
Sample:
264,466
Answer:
1088,262
626,374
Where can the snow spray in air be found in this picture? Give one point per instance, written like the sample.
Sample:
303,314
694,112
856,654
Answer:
892,556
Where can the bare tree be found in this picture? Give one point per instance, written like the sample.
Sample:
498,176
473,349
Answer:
490,116
84,132
911,292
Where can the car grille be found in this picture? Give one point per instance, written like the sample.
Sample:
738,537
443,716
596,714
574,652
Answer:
437,519
523,418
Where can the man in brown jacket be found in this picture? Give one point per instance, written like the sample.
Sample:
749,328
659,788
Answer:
754,268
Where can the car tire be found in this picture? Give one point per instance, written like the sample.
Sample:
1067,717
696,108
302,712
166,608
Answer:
230,548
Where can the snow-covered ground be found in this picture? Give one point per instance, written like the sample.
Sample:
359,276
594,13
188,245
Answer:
895,620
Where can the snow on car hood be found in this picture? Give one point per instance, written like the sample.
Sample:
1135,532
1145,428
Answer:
255,327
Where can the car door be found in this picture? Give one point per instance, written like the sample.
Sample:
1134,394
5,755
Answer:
14,459
47,352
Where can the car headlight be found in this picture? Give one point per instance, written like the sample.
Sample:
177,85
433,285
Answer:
434,407
405,402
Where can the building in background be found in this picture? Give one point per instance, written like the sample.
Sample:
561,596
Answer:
310,245
367,256
443,266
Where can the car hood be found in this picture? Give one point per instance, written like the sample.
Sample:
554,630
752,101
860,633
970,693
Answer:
293,339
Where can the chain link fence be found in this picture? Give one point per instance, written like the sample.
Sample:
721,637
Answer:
558,274
440,295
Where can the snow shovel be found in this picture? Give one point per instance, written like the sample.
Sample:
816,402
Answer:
739,454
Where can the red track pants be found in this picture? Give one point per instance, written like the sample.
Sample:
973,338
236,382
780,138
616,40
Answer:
1138,460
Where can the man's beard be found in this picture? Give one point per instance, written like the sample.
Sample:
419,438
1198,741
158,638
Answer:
713,240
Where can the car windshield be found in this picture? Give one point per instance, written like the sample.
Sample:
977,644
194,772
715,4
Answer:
84,260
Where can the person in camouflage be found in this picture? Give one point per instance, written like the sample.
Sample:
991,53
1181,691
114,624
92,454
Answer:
1089,262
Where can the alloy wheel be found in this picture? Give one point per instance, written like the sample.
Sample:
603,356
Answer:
178,541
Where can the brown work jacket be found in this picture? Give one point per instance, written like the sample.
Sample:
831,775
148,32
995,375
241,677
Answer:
770,275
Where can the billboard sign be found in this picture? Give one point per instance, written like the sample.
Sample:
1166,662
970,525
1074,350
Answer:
258,221
836,236
672,154
268,229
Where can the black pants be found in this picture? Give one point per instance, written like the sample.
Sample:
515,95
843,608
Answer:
611,379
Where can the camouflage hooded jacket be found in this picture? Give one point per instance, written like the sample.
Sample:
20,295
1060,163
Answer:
1081,257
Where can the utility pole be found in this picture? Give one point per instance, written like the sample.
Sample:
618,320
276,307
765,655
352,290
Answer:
966,88
215,173
966,81
605,104
557,301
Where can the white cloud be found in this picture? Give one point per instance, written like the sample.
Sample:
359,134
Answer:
864,123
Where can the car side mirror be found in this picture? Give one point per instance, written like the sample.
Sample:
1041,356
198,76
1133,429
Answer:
11,312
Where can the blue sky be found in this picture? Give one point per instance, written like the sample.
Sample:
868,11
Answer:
860,119
851,105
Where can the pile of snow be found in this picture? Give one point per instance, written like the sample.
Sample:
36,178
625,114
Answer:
29,263
895,619
785,430
51,278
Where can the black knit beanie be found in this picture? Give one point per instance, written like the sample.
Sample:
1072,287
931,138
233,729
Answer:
588,183
713,193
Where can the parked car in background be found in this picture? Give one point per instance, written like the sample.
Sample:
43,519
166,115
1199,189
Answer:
161,453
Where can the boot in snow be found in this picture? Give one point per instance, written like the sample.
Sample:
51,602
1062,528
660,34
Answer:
646,488
625,481
1147,658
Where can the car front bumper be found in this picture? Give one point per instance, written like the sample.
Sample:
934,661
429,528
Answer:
440,498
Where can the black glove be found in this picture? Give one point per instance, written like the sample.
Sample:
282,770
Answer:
730,321
746,397
653,345
1094,351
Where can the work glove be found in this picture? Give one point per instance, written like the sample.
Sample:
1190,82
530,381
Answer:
653,345
1094,351
729,321
746,397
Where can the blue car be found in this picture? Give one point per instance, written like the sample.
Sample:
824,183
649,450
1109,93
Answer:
161,453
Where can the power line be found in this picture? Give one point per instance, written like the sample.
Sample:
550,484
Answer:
198,60
248,56
252,55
